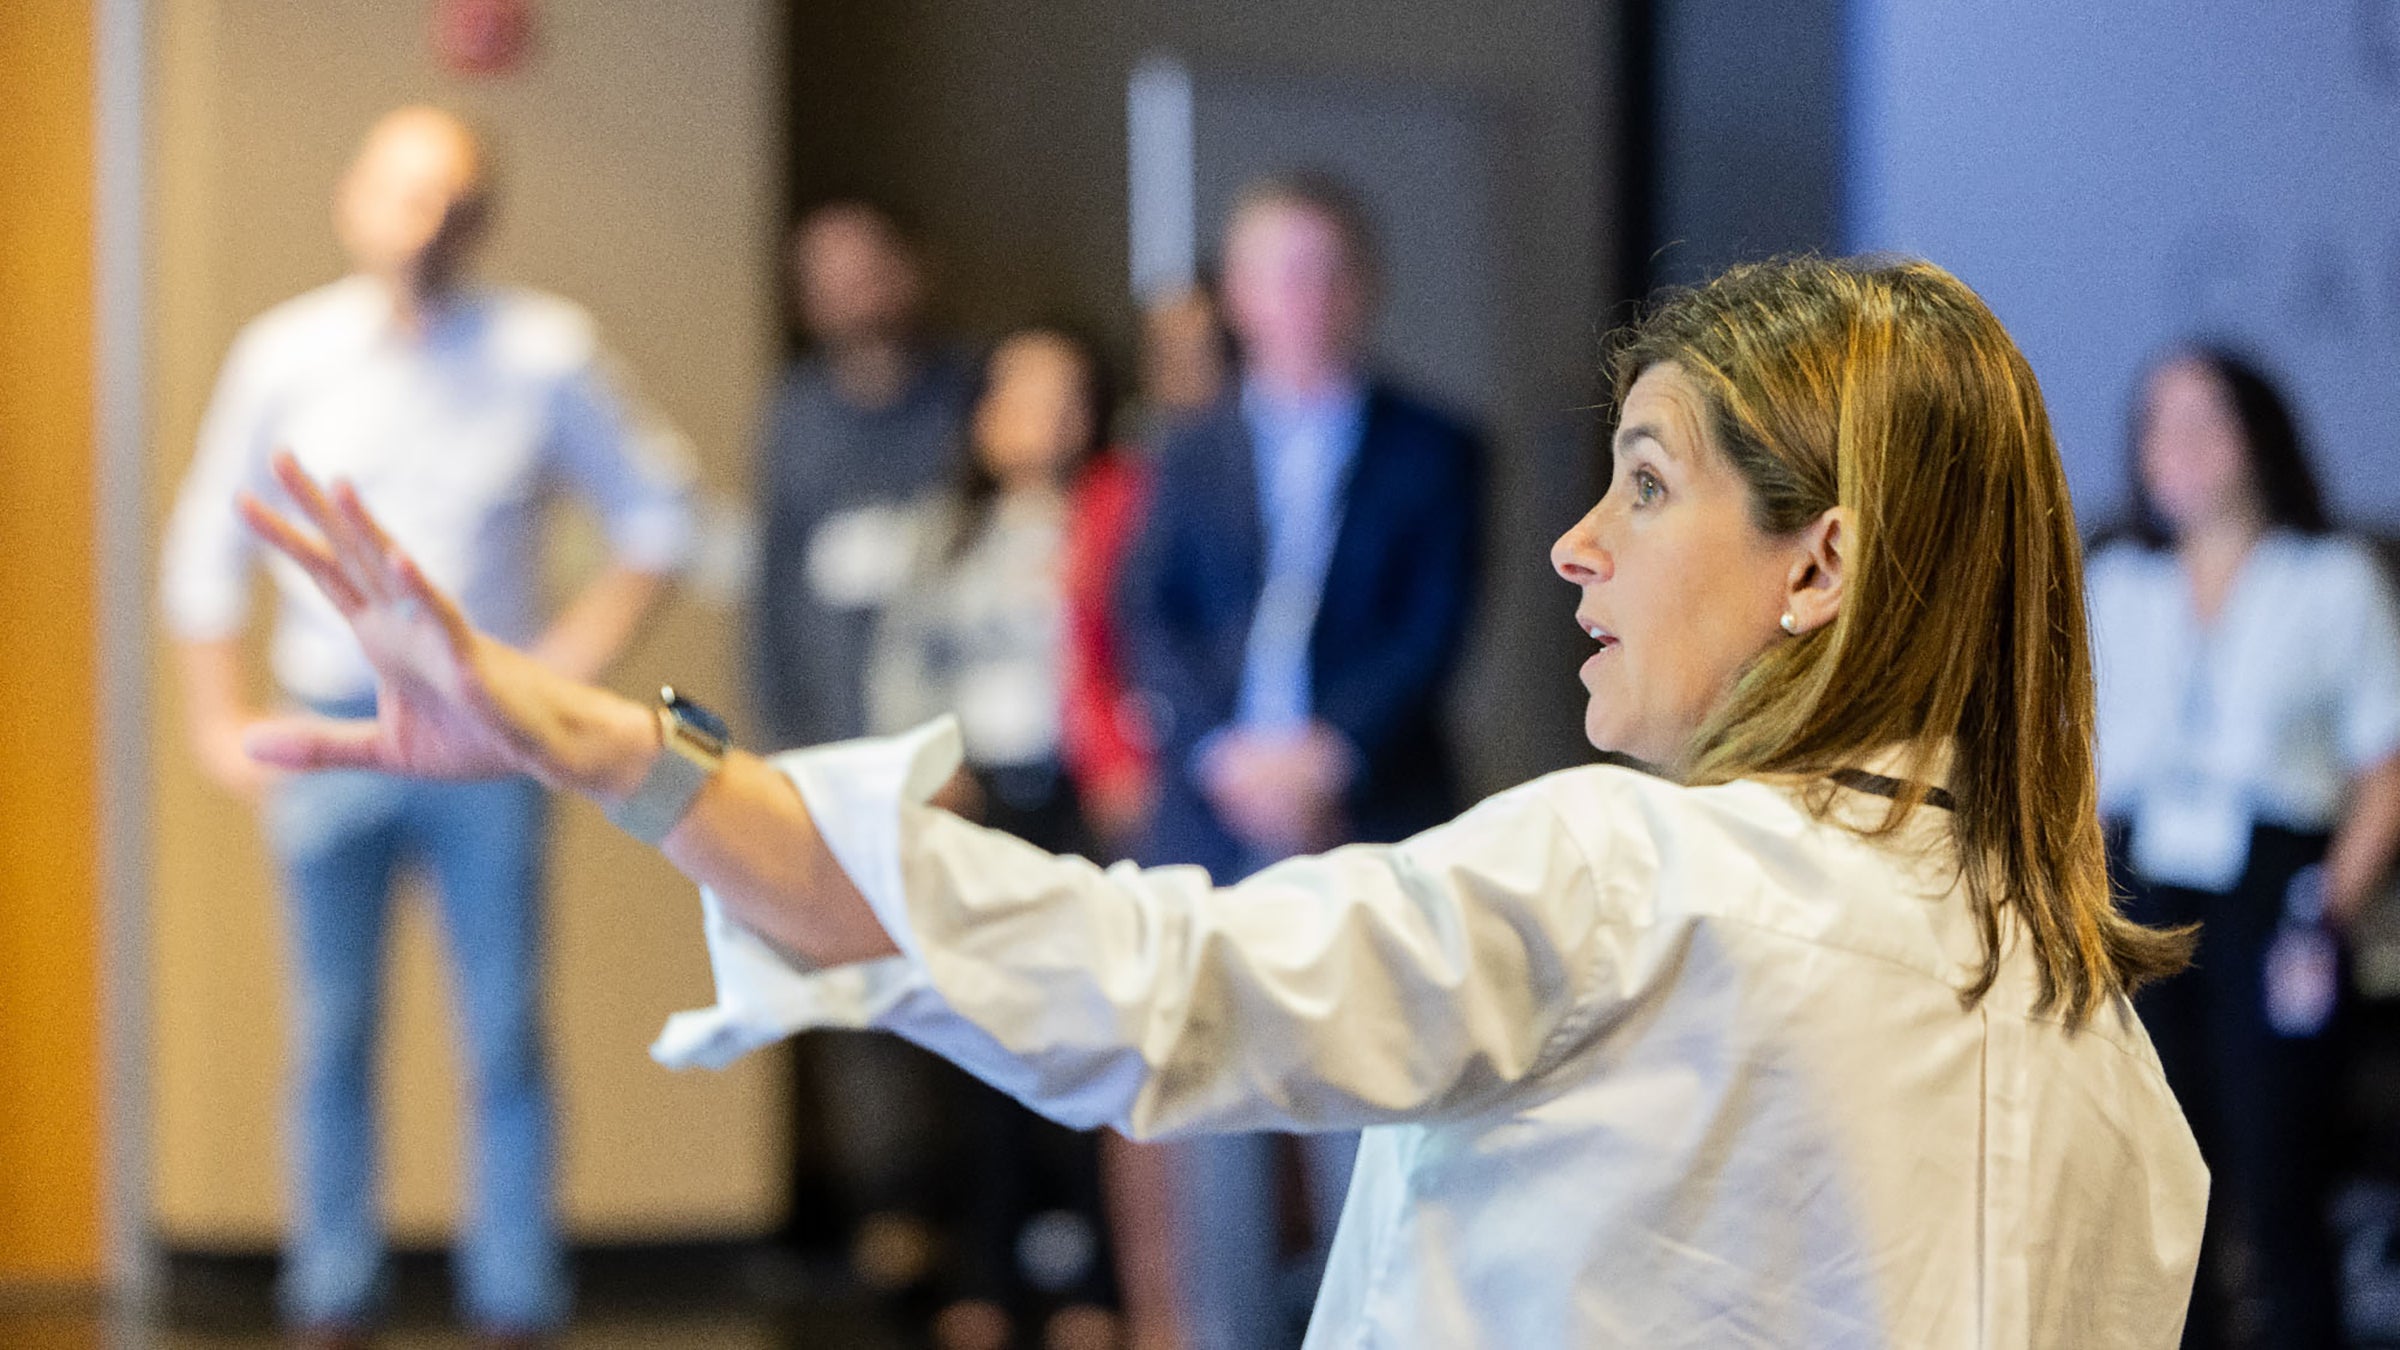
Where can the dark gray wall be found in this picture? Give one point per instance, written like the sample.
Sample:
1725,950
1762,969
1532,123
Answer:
2115,179
1747,132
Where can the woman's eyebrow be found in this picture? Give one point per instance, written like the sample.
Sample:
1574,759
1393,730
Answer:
1642,431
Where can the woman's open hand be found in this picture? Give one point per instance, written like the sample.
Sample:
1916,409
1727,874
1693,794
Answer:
450,702
453,703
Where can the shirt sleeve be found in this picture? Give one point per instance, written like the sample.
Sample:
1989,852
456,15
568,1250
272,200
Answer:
1372,984
2370,710
629,462
204,564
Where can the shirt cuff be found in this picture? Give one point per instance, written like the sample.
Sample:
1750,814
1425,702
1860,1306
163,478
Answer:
855,792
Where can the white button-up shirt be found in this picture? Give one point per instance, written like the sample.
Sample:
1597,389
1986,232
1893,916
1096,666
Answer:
2263,714
1638,1064
457,437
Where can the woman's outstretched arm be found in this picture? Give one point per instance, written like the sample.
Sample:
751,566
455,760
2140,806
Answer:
454,703
1374,984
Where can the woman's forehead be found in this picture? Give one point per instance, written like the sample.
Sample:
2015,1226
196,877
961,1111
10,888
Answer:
1664,406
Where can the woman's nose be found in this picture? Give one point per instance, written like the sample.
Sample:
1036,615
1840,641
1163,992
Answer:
1577,556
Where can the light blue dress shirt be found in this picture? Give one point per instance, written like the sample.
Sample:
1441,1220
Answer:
1303,450
459,437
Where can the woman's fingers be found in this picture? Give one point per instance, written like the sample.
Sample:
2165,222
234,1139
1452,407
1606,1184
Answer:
303,491
354,512
378,555
309,551
374,565
414,586
361,540
340,540
315,743
354,550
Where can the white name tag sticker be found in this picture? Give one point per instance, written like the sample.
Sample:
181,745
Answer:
2194,836
858,558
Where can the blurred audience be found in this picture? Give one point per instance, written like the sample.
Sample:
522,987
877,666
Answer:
2249,731
455,409
1294,609
982,625
865,422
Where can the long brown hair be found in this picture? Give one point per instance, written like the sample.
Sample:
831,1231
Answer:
1889,388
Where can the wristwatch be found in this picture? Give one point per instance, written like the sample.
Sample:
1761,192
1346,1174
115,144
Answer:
692,743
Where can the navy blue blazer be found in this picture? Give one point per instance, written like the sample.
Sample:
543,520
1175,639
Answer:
1399,594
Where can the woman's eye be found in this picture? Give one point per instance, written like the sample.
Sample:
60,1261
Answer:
1646,487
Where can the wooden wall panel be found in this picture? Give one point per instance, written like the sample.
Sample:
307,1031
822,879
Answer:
50,1139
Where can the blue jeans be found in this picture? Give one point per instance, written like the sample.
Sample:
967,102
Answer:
1238,1292
340,838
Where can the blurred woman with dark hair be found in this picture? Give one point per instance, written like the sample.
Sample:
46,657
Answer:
2249,732
994,620
978,621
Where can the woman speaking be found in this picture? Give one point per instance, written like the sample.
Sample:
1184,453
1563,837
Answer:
1817,1035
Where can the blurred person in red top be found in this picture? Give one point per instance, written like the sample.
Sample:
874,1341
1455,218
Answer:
1104,740
1186,358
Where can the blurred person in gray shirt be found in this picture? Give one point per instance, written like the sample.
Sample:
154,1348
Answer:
867,420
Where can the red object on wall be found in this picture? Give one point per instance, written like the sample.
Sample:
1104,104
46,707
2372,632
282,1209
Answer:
482,37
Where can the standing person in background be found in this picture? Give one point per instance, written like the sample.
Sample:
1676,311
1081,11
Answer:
870,418
2249,741
1295,608
983,626
458,410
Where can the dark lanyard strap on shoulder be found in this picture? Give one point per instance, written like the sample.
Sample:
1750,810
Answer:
1859,780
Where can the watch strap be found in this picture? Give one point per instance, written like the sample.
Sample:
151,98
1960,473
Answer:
666,792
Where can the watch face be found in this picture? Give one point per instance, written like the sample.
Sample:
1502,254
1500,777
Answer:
696,717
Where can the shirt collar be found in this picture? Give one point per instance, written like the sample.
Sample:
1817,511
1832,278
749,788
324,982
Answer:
1338,403
448,317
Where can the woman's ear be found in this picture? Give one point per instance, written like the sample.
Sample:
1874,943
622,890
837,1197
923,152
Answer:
1819,567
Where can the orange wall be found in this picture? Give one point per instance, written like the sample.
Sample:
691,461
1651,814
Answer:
49,889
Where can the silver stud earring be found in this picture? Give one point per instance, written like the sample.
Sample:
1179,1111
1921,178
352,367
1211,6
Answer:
1791,624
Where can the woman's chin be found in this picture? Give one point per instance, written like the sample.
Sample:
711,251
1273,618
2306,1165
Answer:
1605,736
1611,737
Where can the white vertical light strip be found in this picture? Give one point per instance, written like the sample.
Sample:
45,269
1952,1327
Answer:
1862,168
1159,176
122,723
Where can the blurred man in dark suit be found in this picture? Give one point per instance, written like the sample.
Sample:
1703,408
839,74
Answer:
1294,612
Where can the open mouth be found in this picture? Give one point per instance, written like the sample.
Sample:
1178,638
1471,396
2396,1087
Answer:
1606,639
